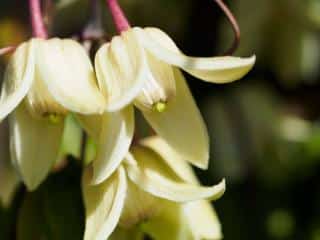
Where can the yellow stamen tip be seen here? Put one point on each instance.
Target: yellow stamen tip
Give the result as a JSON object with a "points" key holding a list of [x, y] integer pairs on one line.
{"points": [[54, 118], [160, 107]]}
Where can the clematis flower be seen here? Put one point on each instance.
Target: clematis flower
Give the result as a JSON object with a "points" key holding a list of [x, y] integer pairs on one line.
{"points": [[139, 191], [45, 80], [140, 68]]}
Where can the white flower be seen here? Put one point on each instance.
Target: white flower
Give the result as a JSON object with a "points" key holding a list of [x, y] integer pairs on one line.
{"points": [[140, 67], [44, 80], [139, 191]]}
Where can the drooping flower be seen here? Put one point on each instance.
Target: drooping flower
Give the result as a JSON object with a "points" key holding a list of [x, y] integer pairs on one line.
{"points": [[147, 184], [44, 80], [140, 67]]}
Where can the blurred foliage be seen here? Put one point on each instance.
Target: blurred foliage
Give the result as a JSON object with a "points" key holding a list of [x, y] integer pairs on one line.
{"points": [[264, 129]]}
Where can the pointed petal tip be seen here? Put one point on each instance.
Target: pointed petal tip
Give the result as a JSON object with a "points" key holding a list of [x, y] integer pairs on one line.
{"points": [[219, 190]]}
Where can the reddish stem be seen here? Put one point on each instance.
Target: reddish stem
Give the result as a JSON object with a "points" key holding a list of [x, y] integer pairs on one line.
{"points": [[37, 23], [234, 24], [118, 16], [6, 50]]}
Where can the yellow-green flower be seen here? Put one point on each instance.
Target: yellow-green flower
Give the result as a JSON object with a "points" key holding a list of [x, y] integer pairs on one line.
{"points": [[141, 189], [44, 80], [140, 67]]}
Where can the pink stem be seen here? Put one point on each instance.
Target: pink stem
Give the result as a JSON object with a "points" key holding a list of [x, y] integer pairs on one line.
{"points": [[38, 27], [118, 16], [6, 50]]}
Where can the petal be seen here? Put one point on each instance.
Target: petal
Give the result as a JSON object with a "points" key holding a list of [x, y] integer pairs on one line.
{"points": [[92, 124], [34, 145], [202, 220], [212, 69], [18, 78], [113, 142], [9, 180], [103, 204], [153, 176], [121, 70], [180, 167], [67, 71], [182, 126], [135, 213], [159, 86], [172, 220], [199, 216]]}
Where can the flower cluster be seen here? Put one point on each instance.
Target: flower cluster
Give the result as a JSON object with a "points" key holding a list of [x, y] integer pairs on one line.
{"points": [[147, 184]]}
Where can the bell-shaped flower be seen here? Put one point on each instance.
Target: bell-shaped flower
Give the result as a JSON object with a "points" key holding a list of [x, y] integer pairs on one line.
{"points": [[44, 80], [140, 190], [140, 67]]}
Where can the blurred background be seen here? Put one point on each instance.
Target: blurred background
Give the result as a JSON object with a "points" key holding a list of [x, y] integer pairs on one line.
{"points": [[265, 128]]}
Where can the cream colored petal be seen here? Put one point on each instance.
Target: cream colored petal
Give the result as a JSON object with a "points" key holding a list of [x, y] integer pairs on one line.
{"points": [[159, 86], [212, 69], [113, 142], [34, 145], [181, 125], [135, 213], [18, 78], [103, 204], [92, 124], [172, 159], [202, 220], [199, 216], [9, 180], [66, 69], [153, 176], [121, 70], [172, 220]]}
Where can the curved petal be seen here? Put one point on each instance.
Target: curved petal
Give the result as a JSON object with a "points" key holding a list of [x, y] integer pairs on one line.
{"points": [[202, 220], [181, 125], [172, 159], [18, 78], [121, 70], [67, 71], [34, 145], [199, 216], [103, 204], [114, 140], [212, 69], [153, 176]]}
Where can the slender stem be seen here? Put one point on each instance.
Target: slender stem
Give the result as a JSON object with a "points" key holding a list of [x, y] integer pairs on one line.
{"points": [[37, 23], [118, 16], [234, 24], [6, 50]]}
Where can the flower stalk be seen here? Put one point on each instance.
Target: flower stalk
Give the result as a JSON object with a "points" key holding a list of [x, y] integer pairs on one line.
{"points": [[37, 23], [234, 24], [6, 50], [118, 16]]}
